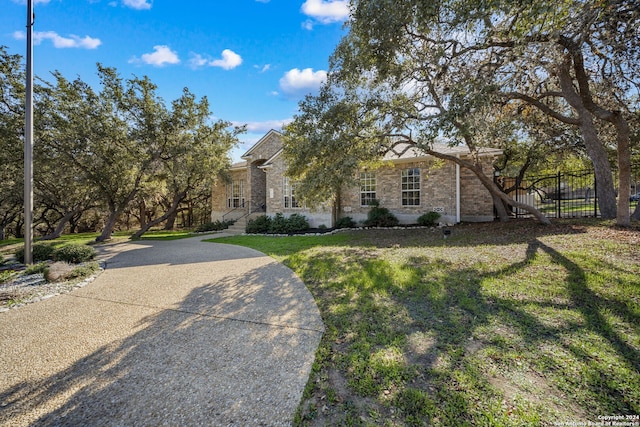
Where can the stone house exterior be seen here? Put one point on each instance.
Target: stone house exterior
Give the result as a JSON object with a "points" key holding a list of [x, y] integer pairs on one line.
{"points": [[408, 186]]}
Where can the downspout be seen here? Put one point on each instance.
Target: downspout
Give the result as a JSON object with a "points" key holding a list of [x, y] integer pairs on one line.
{"points": [[457, 192]]}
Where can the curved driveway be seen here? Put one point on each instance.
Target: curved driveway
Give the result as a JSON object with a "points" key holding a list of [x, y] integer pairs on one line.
{"points": [[171, 333]]}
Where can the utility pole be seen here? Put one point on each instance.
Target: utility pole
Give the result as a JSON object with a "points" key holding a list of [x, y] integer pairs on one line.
{"points": [[28, 142]]}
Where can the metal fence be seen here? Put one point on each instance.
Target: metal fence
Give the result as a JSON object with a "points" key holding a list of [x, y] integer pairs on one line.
{"points": [[562, 195]]}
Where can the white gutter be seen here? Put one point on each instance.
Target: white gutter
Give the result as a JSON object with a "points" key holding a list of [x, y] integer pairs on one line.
{"points": [[457, 192]]}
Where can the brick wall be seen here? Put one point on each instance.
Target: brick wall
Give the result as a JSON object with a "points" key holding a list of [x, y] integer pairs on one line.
{"points": [[219, 194]]}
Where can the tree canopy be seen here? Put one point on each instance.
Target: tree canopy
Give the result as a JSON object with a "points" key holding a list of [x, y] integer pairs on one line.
{"points": [[458, 70], [103, 149]]}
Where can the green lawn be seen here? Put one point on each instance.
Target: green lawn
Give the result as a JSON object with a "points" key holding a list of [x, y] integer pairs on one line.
{"points": [[498, 325], [10, 245]]}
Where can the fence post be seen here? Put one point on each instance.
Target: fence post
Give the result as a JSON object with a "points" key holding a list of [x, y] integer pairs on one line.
{"points": [[595, 196], [559, 193]]}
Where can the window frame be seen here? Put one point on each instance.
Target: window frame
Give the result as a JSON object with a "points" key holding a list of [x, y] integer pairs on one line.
{"points": [[235, 194], [411, 187], [289, 200], [368, 187]]}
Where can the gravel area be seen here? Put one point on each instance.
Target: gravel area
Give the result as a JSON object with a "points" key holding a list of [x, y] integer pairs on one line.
{"points": [[25, 289]]}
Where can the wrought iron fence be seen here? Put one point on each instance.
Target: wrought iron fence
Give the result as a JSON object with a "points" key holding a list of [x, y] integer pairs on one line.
{"points": [[562, 195]]}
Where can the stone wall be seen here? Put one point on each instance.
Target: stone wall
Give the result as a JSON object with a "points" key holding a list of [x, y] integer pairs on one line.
{"points": [[219, 194], [266, 148], [476, 203], [437, 191], [275, 198]]}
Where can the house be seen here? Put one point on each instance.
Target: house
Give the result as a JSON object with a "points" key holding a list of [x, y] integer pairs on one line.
{"points": [[408, 185]]}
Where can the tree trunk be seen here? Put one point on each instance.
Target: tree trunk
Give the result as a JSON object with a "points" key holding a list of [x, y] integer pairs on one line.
{"points": [[501, 209], [623, 136], [605, 191], [108, 226], [493, 189], [171, 221], [595, 148], [178, 198], [57, 232], [143, 213]]}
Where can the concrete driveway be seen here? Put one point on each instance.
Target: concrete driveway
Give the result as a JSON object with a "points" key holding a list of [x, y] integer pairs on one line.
{"points": [[171, 333]]}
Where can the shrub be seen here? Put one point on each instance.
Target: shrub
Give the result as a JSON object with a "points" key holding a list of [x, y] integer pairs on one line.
{"points": [[345, 222], [278, 224], [40, 251], [6, 275], [214, 226], [296, 222], [36, 268], [74, 253], [380, 217], [428, 219], [257, 225]]}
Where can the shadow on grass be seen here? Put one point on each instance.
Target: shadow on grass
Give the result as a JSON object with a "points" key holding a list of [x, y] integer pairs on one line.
{"points": [[429, 342]]}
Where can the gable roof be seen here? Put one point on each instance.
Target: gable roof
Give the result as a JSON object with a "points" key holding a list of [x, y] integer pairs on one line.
{"points": [[409, 152], [269, 161], [261, 141]]}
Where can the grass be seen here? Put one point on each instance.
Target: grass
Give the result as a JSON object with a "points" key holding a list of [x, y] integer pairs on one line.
{"points": [[9, 246], [500, 324]]}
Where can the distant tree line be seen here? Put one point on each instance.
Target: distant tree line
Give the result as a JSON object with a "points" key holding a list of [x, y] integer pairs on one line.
{"points": [[116, 156]]}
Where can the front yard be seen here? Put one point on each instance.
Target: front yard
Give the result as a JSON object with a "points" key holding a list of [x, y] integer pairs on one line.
{"points": [[499, 324]]}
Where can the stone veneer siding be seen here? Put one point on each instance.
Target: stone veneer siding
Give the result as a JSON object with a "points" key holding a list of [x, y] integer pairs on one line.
{"points": [[476, 203], [437, 189], [437, 193], [219, 194], [275, 185]]}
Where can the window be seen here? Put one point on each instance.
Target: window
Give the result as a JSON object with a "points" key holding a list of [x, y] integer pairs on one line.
{"points": [[235, 194], [411, 187], [367, 188], [289, 192]]}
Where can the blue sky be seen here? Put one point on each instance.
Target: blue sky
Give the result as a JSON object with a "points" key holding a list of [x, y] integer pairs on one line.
{"points": [[253, 59]]}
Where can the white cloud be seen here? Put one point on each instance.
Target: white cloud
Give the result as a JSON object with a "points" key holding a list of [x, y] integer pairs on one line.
{"points": [[326, 12], [297, 82], [263, 127], [263, 68], [72, 41], [197, 61], [229, 60], [137, 4], [161, 56]]}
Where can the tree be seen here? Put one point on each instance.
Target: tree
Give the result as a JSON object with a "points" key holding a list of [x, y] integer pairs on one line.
{"points": [[323, 147], [440, 68], [385, 97], [12, 96], [573, 61], [192, 152], [112, 137]]}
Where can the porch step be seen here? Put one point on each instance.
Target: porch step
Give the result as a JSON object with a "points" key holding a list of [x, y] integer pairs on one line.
{"points": [[240, 226]]}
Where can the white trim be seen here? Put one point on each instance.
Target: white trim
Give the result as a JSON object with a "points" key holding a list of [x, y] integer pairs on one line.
{"points": [[247, 155]]}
